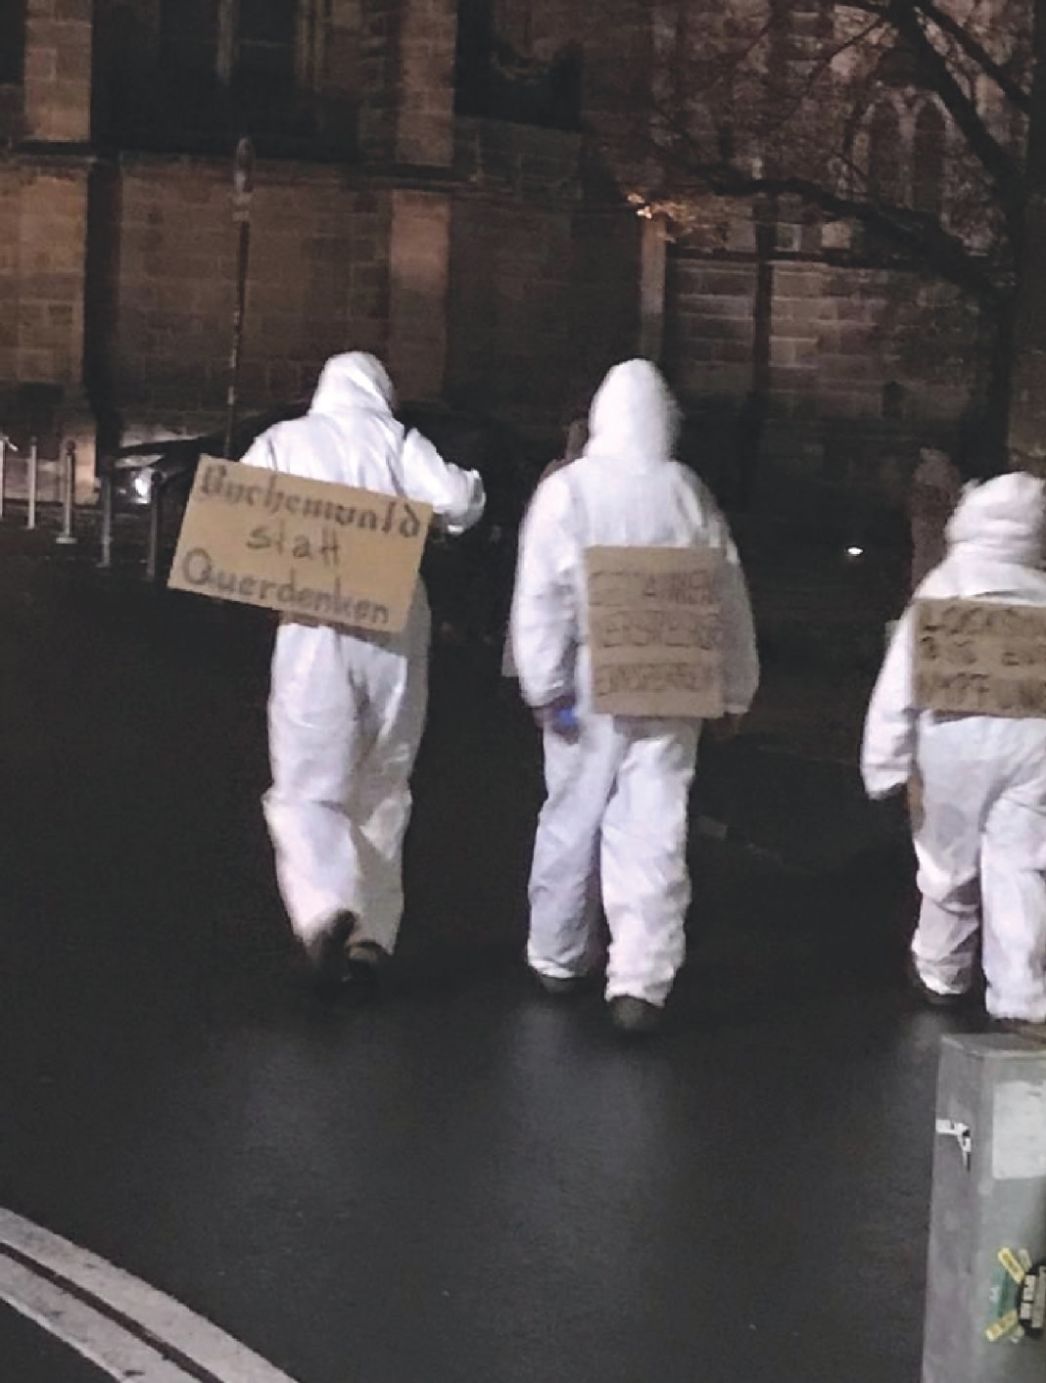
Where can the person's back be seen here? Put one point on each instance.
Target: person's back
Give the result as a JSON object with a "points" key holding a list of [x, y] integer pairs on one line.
{"points": [[981, 839], [625, 490], [350, 436], [347, 709], [615, 820]]}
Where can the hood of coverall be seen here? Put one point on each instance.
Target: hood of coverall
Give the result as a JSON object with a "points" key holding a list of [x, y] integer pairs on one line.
{"points": [[1003, 519], [634, 416], [353, 381]]}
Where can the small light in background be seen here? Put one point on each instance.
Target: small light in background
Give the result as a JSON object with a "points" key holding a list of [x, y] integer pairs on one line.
{"points": [[142, 484], [854, 551]]}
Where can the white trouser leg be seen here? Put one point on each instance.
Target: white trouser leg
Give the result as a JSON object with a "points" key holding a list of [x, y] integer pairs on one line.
{"points": [[345, 720], [380, 801], [944, 947], [564, 876], [948, 848], [646, 885], [314, 728], [1015, 911]]}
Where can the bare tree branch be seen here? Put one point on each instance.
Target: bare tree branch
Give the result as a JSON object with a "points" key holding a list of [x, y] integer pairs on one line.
{"points": [[1003, 170], [959, 33], [727, 65], [824, 64], [918, 235], [977, 53]]}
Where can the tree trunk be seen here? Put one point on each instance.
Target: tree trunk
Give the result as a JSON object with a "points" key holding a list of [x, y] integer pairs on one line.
{"points": [[992, 445], [751, 423], [1027, 439]]}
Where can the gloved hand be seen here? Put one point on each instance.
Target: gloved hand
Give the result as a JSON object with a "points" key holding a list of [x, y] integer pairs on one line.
{"points": [[725, 728], [559, 716]]}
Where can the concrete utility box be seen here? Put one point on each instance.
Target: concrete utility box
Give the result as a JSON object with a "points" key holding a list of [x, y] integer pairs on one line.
{"points": [[986, 1297]]}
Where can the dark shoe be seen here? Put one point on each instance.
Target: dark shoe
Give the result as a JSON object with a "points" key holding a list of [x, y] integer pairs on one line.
{"points": [[559, 988], [365, 961], [634, 1016], [327, 954], [1019, 1027], [931, 996], [367, 955]]}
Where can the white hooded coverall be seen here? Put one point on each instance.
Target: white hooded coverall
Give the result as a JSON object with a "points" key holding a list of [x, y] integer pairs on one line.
{"points": [[615, 818], [981, 843], [347, 709]]}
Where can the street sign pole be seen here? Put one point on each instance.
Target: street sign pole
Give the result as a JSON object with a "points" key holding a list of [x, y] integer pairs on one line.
{"points": [[242, 192]]}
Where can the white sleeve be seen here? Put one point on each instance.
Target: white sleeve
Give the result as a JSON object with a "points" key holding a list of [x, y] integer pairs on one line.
{"points": [[544, 622], [456, 495], [261, 452], [740, 653], [888, 749]]}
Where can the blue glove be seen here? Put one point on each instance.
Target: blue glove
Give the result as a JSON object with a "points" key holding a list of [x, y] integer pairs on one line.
{"points": [[564, 721]]}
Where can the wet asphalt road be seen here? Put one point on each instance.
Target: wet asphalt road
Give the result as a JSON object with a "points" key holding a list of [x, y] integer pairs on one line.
{"points": [[468, 1183]]}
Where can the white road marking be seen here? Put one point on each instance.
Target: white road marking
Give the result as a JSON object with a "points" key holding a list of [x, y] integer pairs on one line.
{"points": [[96, 1337], [197, 1349]]}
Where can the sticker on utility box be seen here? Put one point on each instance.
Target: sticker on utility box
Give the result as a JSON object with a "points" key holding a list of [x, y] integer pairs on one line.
{"points": [[1032, 1308], [1018, 1298], [1019, 1136]]}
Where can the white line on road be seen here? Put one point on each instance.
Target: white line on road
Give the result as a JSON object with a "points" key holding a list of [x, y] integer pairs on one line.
{"points": [[126, 1327], [96, 1337]]}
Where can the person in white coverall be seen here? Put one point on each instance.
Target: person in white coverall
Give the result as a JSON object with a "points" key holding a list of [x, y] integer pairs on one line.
{"points": [[981, 840], [615, 819], [347, 709]]}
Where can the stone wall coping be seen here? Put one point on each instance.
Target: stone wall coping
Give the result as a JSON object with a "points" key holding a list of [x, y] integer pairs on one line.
{"points": [[34, 153]]}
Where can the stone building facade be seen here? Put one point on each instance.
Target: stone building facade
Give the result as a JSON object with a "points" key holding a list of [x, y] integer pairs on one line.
{"points": [[431, 184], [394, 209]]}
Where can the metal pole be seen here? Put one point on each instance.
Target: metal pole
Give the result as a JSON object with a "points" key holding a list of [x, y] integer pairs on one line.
{"points": [[34, 459], [106, 560], [67, 538], [242, 192], [6, 445], [152, 555]]}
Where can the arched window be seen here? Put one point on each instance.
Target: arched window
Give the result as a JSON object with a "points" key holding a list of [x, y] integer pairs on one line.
{"points": [[497, 75], [512, 24], [250, 40], [189, 35], [12, 41], [265, 39], [885, 154], [928, 159]]}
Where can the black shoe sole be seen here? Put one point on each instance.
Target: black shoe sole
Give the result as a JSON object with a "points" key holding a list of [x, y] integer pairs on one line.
{"points": [[635, 1017], [1020, 1027], [922, 990], [327, 960], [558, 987]]}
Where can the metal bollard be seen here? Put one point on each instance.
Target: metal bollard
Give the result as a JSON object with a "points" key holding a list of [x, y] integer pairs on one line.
{"points": [[152, 555], [6, 445], [34, 458], [67, 537], [106, 559]]}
